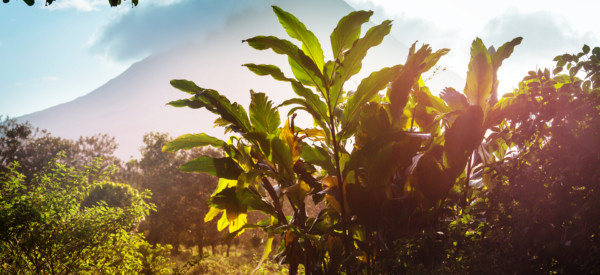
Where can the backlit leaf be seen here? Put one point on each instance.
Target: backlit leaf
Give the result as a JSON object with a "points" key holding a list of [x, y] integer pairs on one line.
{"points": [[347, 31], [189, 141], [480, 75], [297, 30], [262, 114]]}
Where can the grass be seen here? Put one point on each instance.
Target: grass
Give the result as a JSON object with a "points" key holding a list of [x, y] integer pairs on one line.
{"points": [[241, 260]]}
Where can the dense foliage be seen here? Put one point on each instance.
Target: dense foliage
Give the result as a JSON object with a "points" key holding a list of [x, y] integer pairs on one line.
{"points": [[65, 221], [33, 148], [180, 198], [407, 181]]}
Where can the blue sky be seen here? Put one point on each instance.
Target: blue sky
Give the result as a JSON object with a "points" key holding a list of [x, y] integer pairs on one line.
{"points": [[50, 55]]}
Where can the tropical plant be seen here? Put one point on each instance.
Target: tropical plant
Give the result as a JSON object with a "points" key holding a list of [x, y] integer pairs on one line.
{"points": [[382, 166]]}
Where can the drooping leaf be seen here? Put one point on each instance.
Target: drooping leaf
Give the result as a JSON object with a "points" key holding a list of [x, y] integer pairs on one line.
{"points": [[318, 156], [262, 114], [347, 31], [189, 141], [218, 167], [480, 75], [264, 69], [462, 138], [366, 91], [297, 30], [232, 115], [187, 86], [303, 67]]}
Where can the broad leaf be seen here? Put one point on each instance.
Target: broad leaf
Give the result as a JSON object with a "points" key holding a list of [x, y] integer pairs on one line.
{"points": [[462, 138], [303, 67], [352, 62], [297, 30], [347, 31], [219, 167], [480, 75], [264, 69], [366, 91], [262, 114], [497, 57], [190, 141], [232, 115]]}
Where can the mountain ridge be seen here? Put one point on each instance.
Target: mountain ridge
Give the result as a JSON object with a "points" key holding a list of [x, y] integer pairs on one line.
{"points": [[134, 102]]}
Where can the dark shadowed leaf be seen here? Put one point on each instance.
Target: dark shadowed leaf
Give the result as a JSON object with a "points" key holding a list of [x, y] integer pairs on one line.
{"points": [[219, 167]]}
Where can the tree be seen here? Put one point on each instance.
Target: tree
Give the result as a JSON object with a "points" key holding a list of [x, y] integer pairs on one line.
{"points": [[67, 221], [112, 3], [34, 148], [390, 168], [180, 198]]}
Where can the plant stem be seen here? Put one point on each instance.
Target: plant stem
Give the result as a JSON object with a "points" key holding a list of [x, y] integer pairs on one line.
{"points": [[467, 181], [267, 185]]}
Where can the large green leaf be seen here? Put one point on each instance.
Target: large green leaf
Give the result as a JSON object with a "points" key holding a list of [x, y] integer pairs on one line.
{"points": [[312, 100], [347, 31], [498, 56], [264, 69], [366, 91], [480, 75], [352, 61], [462, 138], [318, 156], [187, 86], [263, 116], [281, 154], [297, 30], [190, 141], [303, 67], [416, 63], [430, 178], [219, 167]]}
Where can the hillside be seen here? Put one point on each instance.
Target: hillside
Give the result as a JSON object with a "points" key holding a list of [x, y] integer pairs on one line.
{"points": [[133, 103]]}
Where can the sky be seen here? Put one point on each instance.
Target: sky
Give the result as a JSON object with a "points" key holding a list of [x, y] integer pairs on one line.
{"points": [[51, 55]]}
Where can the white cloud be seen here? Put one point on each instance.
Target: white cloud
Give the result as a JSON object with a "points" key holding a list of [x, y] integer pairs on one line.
{"points": [[155, 26]]}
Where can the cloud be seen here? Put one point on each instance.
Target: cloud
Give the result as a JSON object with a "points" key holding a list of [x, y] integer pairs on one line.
{"points": [[544, 34], [156, 26]]}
